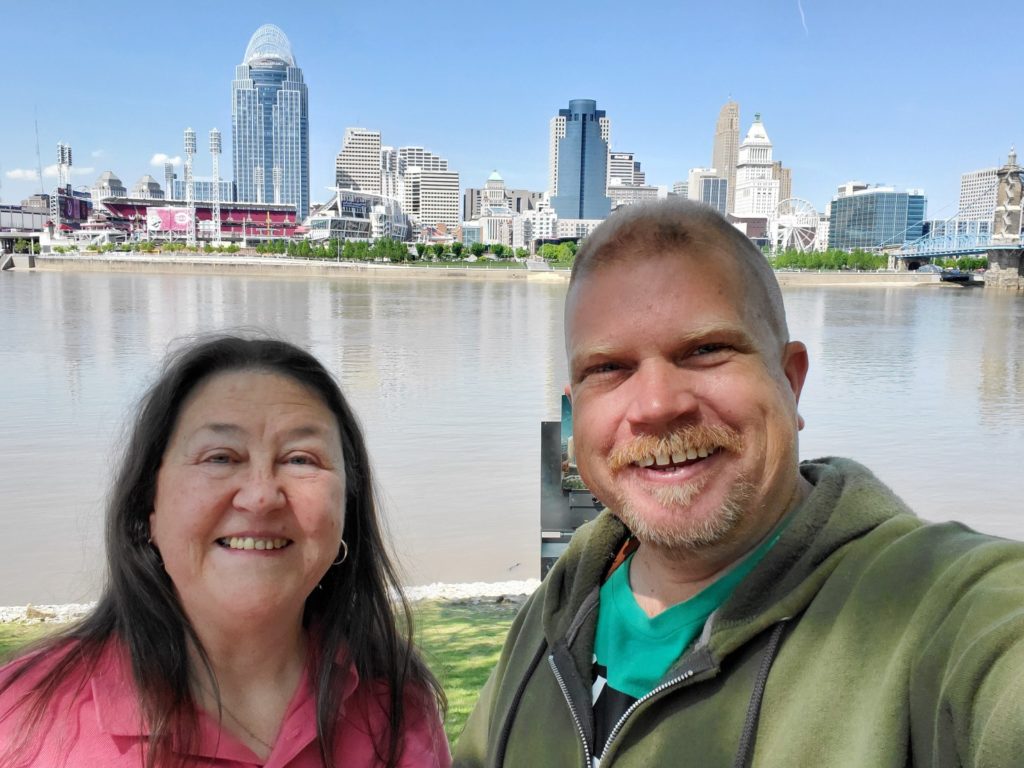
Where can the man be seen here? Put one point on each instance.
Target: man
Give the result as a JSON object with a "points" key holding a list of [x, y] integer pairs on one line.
{"points": [[733, 607]]}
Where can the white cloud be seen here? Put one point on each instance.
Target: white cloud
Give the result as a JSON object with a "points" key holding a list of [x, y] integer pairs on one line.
{"points": [[50, 171], [99, 152], [160, 158], [22, 174]]}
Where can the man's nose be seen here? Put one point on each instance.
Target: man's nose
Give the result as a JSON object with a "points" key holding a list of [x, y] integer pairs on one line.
{"points": [[260, 490], [661, 393]]}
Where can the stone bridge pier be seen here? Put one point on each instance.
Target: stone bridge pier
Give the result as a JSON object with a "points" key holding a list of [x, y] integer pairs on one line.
{"points": [[1005, 268]]}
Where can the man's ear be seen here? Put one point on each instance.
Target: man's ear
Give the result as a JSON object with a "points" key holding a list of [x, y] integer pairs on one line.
{"points": [[795, 363], [568, 392]]}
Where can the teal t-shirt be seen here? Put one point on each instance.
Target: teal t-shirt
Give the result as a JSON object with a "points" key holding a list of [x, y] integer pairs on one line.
{"points": [[632, 651]]}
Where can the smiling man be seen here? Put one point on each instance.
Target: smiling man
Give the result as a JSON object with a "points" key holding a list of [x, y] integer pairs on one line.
{"points": [[733, 606]]}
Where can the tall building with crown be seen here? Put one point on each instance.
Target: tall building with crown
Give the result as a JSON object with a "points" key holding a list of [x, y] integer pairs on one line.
{"points": [[757, 185], [270, 124], [578, 161], [725, 153]]}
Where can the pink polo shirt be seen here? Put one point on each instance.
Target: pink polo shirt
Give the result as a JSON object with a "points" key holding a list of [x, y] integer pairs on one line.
{"points": [[98, 724]]}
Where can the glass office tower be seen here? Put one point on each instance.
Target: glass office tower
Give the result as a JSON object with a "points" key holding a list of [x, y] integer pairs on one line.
{"points": [[582, 164], [270, 124], [876, 217]]}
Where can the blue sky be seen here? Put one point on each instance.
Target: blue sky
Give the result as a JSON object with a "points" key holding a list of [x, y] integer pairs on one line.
{"points": [[905, 93]]}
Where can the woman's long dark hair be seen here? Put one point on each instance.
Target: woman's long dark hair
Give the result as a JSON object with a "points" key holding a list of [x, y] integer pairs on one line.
{"points": [[139, 606]]}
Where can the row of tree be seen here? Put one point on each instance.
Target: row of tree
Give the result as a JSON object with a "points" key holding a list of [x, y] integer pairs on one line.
{"points": [[385, 249], [831, 259]]}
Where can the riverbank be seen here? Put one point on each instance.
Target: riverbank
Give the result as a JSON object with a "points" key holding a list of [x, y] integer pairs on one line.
{"points": [[477, 592], [277, 266]]}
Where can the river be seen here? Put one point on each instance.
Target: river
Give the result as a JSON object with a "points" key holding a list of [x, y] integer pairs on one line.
{"points": [[451, 379]]}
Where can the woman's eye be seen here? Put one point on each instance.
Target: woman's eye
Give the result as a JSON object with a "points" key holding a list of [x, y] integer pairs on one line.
{"points": [[301, 460], [218, 458]]}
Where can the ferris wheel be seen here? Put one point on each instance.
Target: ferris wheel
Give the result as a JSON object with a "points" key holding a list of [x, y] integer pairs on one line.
{"points": [[793, 226]]}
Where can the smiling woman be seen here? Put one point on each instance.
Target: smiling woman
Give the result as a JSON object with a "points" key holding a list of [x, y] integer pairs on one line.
{"points": [[248, 616]]}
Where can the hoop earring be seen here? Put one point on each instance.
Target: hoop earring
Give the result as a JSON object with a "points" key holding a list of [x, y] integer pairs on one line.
{"points": [[344, 554]]}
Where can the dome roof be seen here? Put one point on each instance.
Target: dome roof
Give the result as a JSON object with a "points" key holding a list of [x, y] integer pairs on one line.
{"points": [[269, 45], [495, 176]]}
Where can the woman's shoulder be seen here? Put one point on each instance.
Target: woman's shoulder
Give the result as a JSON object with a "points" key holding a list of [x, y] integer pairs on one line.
{"points": [[366, 716]]}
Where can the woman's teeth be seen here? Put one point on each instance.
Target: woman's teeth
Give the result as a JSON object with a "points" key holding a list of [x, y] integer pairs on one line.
{"points": [[248, 542]]}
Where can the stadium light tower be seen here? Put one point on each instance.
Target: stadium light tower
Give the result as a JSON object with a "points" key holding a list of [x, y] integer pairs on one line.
{"points": [[190, 186], [63, 183], [278, 180], [215, 152], [257, 175]]}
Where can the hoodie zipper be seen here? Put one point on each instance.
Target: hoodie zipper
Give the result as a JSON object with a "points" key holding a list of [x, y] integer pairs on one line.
{"points": [[588, 759], [632, 708]]}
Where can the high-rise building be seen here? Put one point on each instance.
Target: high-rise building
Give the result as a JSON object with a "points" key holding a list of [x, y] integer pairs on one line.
{"points": [[624, 168], [977, 195], [390, 178], [581, 157], [557, 133], [707, 186], [147, 188], [109, 185], [681, 188], [876, 217], [757, 191], [358, 165], [432, 197], [725, 153], [270, 124], [203, 190], [784, 176], [418, 157]]}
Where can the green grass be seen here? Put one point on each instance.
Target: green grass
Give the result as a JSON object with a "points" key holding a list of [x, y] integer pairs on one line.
{"points": [[460, 642]]}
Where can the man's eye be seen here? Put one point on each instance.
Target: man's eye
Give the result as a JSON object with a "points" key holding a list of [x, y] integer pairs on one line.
{"points": [[708, 349], [218, 458]]}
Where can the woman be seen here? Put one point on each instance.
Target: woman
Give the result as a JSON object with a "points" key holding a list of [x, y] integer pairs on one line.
{"points": [[249, 614]]}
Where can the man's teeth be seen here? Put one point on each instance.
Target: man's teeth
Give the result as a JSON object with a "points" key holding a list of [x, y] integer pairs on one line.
{"points": [[248, 542], [662, 459]]}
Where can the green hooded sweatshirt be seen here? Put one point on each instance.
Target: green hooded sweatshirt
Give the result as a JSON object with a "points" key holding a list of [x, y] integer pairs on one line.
{"points": [[865, 638]]}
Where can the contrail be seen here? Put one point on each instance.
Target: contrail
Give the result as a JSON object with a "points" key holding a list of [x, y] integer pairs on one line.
{"points": [[803, 19]]}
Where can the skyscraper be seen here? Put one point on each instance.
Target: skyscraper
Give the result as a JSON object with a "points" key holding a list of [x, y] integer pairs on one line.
{"points": [[725, 153], [270, 124], [579, 159], [757, 189], [358, 165]]}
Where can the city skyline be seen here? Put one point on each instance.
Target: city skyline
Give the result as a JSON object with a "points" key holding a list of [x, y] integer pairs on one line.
{"points": [[834, 85]]}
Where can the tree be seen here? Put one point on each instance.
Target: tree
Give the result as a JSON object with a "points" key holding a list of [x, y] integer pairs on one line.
{"points": [[522, 253], [548, 252], [392, 250], [421, 248], [477, 249], [439, 250], [498, 250], [457, 249]]}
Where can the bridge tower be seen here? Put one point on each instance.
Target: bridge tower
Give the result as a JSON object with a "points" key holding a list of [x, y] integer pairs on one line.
{"points": [[1006, 269]]}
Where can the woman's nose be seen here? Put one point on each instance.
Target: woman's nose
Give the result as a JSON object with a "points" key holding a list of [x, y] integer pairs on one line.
{"points": [[259, 491]]}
